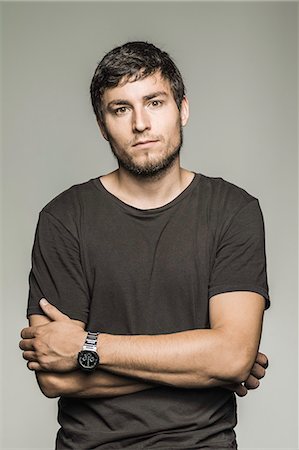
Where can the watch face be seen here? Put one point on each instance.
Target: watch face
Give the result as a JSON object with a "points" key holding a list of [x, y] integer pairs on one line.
{"points": [[88, 360]]}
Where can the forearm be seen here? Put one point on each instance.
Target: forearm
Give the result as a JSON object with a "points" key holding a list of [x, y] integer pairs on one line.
{"points": [[190, 359], [199, 358], [80, 384]]}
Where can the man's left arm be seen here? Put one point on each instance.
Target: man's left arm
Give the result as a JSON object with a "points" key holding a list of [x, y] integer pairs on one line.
{"points": [[195, 358], [198, 358]]}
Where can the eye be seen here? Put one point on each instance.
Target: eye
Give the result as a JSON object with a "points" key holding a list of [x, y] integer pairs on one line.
{"points": [[156, 103], [120, 111]]}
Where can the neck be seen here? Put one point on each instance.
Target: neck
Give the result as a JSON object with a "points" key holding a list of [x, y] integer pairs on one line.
{"points": [[147, 193]]}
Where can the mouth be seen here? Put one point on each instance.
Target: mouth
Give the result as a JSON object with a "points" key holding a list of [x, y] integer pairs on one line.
{"points": [[145, 143]]}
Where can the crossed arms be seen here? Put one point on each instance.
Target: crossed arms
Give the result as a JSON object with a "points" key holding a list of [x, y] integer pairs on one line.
{"points": [[225, 355]]}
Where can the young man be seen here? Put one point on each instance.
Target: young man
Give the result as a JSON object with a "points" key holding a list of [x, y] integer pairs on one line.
{"points": [[155, 278]]}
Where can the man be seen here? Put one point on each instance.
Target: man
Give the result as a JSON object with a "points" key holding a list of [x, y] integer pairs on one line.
{"points": [[155, 278]]}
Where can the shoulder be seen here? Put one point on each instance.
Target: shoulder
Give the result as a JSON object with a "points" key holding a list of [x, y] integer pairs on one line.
{"points": [[225, 202], [68, 207], [70, 199], [224, 194]]}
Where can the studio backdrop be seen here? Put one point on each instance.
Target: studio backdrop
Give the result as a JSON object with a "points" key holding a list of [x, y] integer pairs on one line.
{"points": [[239, 64]]}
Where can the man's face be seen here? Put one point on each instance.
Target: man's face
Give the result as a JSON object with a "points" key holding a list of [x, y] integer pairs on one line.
{"points": [[143, 125]]}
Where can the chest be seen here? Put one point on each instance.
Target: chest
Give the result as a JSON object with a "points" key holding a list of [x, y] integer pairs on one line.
{"points": [[149, 275]]}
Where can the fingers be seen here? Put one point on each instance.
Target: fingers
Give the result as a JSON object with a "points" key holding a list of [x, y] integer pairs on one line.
{"points": [[28, 333], [238, 388], [30, 356], [252, 382], [241, 390], [258, 371], [51, 311], [26, 344], [32, 365], [33, 361], [262, 360]]}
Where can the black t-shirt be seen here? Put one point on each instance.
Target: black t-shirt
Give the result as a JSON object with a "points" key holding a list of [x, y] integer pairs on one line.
{"points": [[123, 270]]}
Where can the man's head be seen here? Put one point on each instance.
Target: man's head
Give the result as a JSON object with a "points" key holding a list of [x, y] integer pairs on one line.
{"points": [[130, 62], [139, 100]]}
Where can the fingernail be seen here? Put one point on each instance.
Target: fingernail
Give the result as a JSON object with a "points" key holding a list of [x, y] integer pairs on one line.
{"points": [[43, 302]]}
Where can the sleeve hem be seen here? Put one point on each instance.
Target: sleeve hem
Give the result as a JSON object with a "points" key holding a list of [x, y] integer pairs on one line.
{"points": [[232, 288], [73, 316]]}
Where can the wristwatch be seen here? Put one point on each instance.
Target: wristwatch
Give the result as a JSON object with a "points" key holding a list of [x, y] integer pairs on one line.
{"points": [[88, 358]]}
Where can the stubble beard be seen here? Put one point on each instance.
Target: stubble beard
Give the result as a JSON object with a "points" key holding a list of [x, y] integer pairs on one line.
{"points": [[151, 170]]}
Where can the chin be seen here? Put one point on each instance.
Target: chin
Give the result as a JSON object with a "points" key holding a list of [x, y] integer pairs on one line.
{"points": [[153, 170]]}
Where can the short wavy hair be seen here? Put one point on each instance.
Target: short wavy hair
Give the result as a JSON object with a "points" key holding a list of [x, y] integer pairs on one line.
{"points": [[130, 62]]}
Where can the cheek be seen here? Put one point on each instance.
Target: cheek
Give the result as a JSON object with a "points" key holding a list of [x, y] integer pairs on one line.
{"points": [[174, 130], [174, 124], [117, 134]]}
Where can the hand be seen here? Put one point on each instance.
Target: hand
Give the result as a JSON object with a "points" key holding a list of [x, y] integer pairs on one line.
{"points": [[257, 372], [55, 345]]}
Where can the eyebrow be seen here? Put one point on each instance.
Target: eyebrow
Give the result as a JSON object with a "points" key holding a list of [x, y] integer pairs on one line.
{"points": [[155, 94], [120, 101]]}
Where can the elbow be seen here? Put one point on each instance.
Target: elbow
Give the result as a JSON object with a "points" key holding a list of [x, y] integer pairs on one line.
{"points": [[236, 359], [240, 369], [48, 384], [49, 392], [239, 376]]}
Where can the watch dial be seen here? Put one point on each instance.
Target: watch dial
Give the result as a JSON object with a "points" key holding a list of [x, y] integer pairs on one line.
{"points": [[88, 360]]}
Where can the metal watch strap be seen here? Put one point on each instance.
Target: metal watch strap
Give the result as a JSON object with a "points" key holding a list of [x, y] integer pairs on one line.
{"points": [[91, 341]]}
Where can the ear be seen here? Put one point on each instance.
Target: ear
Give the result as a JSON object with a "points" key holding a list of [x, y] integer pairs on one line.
{"points": [[103, 129], [184, 112]]}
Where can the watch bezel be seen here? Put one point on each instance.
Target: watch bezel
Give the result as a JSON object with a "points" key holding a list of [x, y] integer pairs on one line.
{"points": [[89, 368]]}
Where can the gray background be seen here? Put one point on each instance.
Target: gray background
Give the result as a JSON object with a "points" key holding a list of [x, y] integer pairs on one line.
{"points": [[239, 62]]}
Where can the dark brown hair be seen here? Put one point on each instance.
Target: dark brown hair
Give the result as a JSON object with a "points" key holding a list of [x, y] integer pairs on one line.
{"points": [[130, 62]]}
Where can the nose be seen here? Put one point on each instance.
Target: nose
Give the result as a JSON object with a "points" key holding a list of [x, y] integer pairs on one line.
{"points": [[141, 121]]}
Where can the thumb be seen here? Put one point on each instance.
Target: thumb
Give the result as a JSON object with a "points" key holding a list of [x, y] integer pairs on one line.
{"points": [[51, 311]]}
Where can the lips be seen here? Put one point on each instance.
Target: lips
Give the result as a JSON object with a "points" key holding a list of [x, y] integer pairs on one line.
{"points": [[144, 143]]}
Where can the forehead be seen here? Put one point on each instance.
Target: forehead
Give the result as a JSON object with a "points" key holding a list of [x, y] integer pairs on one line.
{"points": [[137, 90]]}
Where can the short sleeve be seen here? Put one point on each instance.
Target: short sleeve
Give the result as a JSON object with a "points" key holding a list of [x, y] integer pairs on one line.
{"points": [[240, 259], [56, 272]]}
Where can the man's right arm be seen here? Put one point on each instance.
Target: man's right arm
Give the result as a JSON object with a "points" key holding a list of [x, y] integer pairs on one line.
{"points": [[84, 385], [100, 383]]}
